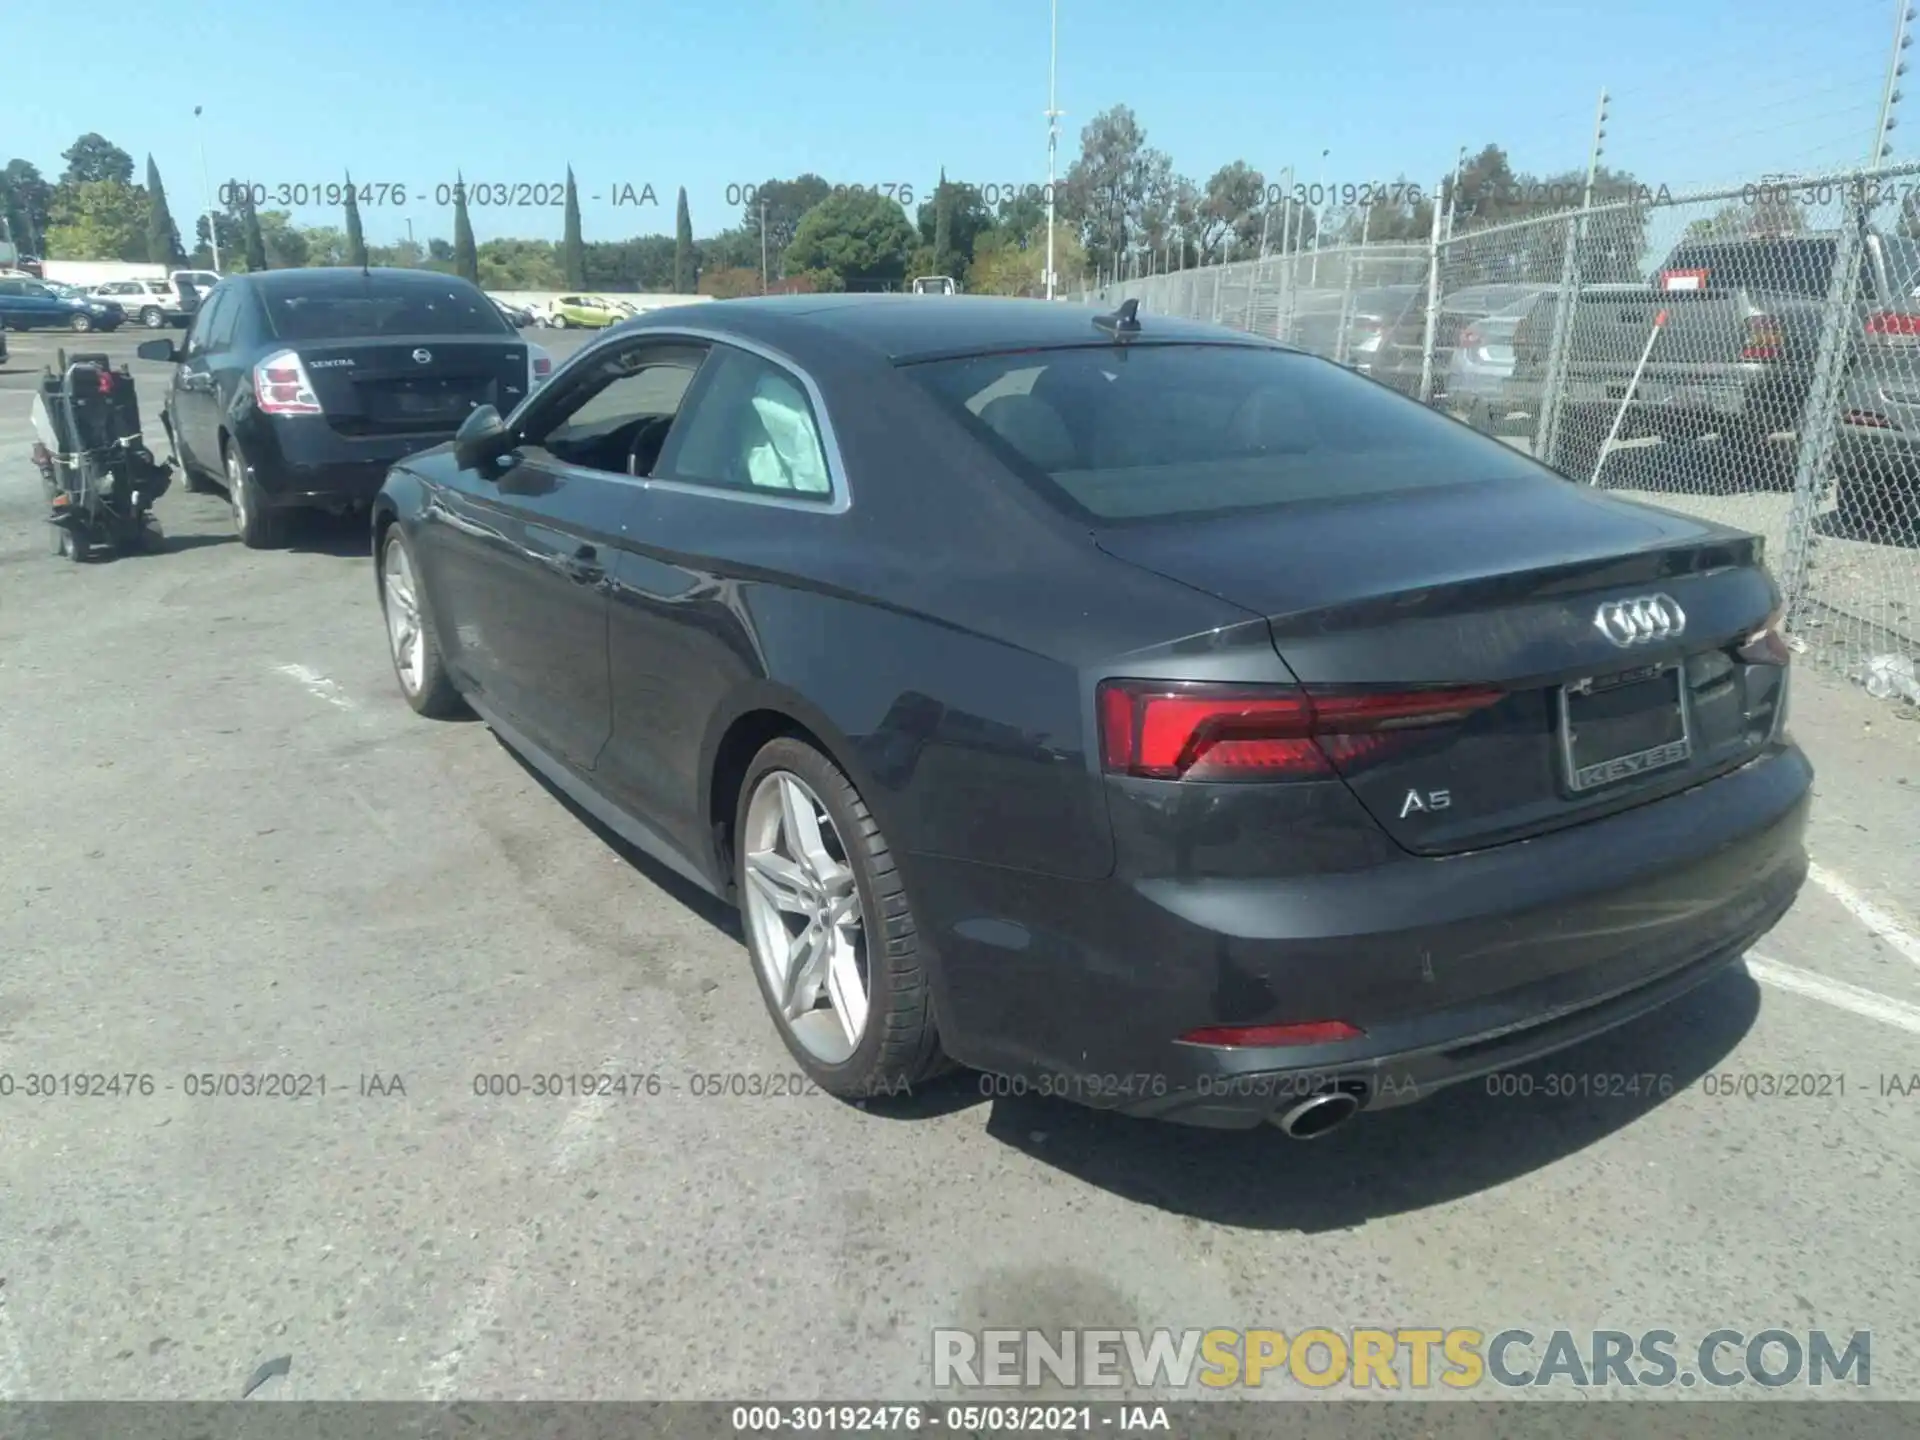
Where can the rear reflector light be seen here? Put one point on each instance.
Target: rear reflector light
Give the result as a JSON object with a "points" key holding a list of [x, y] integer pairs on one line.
{"points": [[281, 386], [1763, 338], [539, 366], [1260, 1037], [1892, 324], [1469, 338], [1162, 730]]}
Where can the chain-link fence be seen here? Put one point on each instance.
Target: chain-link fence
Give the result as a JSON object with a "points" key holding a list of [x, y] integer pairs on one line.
{"points": [[1749, 355]]}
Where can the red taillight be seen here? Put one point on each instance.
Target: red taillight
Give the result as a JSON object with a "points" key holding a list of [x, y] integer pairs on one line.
{"points": [[1159, 730], [1763, 338], [543, 366], [1469, 338], [1887, 323], [281, 387], [1256, 1037]]}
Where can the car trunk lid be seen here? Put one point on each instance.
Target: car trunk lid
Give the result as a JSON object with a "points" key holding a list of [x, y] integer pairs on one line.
{"points": [[413, 385], [1502, 584]]}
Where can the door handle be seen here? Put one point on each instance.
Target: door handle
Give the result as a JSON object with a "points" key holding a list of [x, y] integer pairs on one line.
{"points": [[584, 568]]}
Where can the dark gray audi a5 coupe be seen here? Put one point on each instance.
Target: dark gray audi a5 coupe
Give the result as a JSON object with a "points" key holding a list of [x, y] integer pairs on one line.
{"points": [[1128, 705]]}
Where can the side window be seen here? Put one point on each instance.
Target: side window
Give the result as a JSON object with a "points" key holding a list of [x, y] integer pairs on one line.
{"points": [[615, 413], [751, 428], [207, 323]]}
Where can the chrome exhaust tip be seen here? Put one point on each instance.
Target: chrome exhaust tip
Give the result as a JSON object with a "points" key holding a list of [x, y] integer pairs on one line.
{"points": [[1317, 1114]]}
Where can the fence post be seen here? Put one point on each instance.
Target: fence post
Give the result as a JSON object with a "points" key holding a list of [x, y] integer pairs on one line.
{"points": [[1433, 306], [1546, 430], [1346, 307], [1819, 421], [1253, 290], [1217, 279]]}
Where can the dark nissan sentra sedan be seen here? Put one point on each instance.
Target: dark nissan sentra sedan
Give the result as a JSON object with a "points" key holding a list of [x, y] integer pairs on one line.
{"points": [[1131, 704]]}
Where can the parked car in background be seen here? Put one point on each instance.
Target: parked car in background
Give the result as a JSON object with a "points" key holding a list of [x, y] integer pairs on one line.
{"points": [[1401, 355], [298, 388], [935, 285], [1290, 744], [584, 312], [1479, 384], [34, 305], [155, 304], [1348, 327], [1733, 364], [518, 316]]}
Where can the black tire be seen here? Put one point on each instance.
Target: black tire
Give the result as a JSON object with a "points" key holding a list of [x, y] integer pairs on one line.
{"points": [[80, 324], [153, 318], [436, 697], [900, 1046], [258, 526]]}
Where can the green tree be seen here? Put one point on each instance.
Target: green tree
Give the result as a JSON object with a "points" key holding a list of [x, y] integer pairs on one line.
{"points": [[683, 269], [27, 200], [163, 236], [968, 218], [860, 237], [943, 261], [401, 255], [573, 251], [1228, 211], [356, 249], [730, 282], [521, 265], [98, 220], [256, 242], [644, 260], [1115, 185], [784, 204], [735, 249], [286, 243], [93, 158], [330, 245], [229, 233], [466, 260], [1010, 264]]}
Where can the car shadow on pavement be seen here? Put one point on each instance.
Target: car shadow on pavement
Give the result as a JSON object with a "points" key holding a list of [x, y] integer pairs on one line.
{"points": [[314, 532], [1466, 1139], [720, 916]]}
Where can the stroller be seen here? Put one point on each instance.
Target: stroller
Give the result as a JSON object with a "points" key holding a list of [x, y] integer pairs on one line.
{"points": [[99, 476]]}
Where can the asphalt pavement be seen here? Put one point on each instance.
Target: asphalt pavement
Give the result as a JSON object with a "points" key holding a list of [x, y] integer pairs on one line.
{"points": [[229, 847]]}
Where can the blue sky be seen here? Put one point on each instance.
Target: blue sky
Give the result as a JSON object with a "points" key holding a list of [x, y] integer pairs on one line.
{"points": [[861, 91]]}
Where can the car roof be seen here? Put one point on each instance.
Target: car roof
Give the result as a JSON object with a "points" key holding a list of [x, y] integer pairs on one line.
{"points": [[343, 278], [905, 328]]}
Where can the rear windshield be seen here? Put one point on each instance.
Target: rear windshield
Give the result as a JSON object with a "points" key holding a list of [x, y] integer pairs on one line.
{"points": [[1780, 267], [344, 314], [1154, 432]]}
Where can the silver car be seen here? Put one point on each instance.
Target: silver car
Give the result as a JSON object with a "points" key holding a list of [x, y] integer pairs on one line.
{"points": [[1479, 382]]}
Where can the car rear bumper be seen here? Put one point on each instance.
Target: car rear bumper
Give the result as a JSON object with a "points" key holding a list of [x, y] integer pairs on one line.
{"points": [[1453, 967], [303, 461]]}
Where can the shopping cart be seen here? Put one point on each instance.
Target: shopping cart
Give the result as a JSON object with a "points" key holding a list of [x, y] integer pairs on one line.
{"points": [[99, 476]]}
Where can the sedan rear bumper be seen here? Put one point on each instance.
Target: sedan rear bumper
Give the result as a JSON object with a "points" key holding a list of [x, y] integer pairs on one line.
{"points": [[303, 461], [1451, 967]]}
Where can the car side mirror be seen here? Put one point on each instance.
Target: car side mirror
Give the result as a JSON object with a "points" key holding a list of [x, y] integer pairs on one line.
{"points": [[482, 436], [164, 351]]}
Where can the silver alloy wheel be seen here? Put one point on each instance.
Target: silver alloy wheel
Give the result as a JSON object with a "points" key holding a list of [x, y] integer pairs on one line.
{"points": [[402, 605], [237, 489], [804, 918]]}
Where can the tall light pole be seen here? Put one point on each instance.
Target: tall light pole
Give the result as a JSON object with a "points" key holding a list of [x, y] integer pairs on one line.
{"points": [[206, 193], [763, 247], [1053, 133], [1319, 217]]}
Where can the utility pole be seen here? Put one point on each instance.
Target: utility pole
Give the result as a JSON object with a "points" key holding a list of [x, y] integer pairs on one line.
{"points": [[763, 247], [1319, 218], [206, 194], [1053, 134]]}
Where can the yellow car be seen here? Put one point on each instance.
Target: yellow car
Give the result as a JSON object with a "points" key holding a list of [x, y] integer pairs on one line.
{"points": [[584, 312]]}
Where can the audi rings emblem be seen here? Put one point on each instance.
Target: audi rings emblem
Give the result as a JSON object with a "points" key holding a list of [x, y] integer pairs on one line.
{"points": [[423, 356], [1641, 620]]}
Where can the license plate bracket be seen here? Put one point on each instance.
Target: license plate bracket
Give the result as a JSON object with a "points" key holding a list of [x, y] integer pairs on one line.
{"points": [[1615, 728]]}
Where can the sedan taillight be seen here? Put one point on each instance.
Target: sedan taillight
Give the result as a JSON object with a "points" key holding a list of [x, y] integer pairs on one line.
{"points": [[1161, 730], [281, 386]]}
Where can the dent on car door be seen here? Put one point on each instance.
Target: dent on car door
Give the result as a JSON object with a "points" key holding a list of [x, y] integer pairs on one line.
{"points": [[743, 471]]}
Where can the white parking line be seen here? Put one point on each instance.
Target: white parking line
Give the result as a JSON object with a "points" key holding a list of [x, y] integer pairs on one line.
{"points": [[1869, 1004], [1884, 925], [483, 1305], [317, 684]]}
